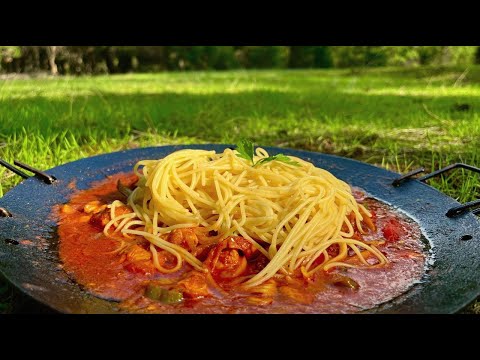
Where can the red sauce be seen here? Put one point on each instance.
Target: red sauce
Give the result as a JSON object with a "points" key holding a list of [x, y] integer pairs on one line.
{"points": [[90, 258]]}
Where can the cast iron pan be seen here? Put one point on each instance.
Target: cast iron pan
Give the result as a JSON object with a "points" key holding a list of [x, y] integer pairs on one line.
{"points": [[451, 283]]}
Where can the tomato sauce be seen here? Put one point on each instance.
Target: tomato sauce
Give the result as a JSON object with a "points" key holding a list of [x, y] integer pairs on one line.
{"points": [[93, 261]]}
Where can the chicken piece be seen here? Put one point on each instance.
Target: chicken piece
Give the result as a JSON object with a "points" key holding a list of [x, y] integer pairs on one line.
{"points": [[242, 244], [194, 285], [166, 259], [102, 218], [229, 258], [137, 253], [94, 207], [257, 264], [201, 252], [122, 210], [99, 220], [67, 209], [138, 261], [185, 238]]}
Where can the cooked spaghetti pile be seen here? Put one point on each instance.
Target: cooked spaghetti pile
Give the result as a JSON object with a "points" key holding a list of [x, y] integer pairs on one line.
{"points": [[292, 211]]}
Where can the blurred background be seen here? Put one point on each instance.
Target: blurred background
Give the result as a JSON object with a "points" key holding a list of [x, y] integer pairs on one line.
{"points": [[78, 60]]}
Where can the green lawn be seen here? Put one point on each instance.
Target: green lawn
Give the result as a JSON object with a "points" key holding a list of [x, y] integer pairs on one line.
{"points": [[396, 118]]}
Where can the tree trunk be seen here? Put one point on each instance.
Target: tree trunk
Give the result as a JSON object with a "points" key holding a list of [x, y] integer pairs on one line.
{"points": [[109, 56], [36, 57], [52, 54]]}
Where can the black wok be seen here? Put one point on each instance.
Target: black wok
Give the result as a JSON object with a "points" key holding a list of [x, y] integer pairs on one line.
{"points": [[451, 283]]}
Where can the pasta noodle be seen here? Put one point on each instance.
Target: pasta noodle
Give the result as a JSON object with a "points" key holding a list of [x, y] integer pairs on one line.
{"points": [[292, 214]]}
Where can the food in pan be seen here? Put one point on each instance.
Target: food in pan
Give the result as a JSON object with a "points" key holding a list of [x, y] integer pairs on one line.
{"points": [[238, 231]]}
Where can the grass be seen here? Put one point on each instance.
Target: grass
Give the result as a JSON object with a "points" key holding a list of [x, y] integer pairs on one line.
{"points": [[396, 118]]}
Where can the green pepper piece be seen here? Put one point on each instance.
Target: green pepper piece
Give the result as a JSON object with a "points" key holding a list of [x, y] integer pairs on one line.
{"points": [[171, 297], [125, 191], [163, 295], [345, 281]]}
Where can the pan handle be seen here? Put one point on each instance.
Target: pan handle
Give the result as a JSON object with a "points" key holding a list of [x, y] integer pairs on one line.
{"points": [[48, 179], [4, 212], [454, 211]]}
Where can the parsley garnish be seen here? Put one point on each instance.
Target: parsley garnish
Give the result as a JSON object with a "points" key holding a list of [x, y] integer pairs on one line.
{"points": [[245, 150]]}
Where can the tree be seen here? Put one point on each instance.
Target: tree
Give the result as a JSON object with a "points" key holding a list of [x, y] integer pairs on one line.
{"points": [[322, 57], [8, 54], [52, 54], [264, 57], [301, 57], [310, 57]]}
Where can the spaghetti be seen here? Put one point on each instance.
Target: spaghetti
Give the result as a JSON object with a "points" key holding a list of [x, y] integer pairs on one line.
{"points": [[291, 214]]}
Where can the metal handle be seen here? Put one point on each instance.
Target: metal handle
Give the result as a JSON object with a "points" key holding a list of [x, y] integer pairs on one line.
{"points": [[13, 169], [45, 177], [48, 179], [4, 212], [457, 210], [40, 174]]}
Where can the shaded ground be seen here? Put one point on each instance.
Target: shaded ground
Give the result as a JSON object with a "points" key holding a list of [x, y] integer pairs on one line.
{"points": [[395, 118]]}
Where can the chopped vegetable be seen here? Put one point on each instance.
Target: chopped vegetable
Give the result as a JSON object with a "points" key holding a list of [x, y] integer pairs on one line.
{"points": [[194, 285], [163, 295], [246, 148], [141, 182], [345, 281], [67, 209], [229, 258], [137, 253], [393, 230], [94, 207], [125, 191], [99, 220]]}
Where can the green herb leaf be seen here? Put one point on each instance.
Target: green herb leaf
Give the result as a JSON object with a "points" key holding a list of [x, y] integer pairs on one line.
{"points": [[245, 149], [278, 157]]}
